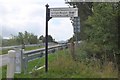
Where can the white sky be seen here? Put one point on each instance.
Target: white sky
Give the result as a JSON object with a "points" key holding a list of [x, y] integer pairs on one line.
{"points": [[29, 15]]}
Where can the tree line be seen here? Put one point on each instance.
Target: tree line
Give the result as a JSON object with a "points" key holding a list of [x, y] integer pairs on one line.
{"points": [[25, 38], [99, 30]]}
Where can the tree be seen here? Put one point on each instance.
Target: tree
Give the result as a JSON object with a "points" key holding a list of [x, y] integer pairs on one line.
{"points": [[33, 39], [20, 38], [72, 39], [50, 39], [26, 38], [41, 38], [102, 31], [85, 10]]}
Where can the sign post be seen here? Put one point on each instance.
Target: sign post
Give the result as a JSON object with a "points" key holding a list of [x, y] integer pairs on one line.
{"points": [[56, 12], [46, 41], [46, 37]]}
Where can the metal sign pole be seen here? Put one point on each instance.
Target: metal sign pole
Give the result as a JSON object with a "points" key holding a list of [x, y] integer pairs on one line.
{"points": [[46, 41], [46, 37], [56, 12]]}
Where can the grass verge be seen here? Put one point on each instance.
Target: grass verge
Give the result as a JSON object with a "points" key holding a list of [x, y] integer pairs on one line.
{"points": [[61, 65]]}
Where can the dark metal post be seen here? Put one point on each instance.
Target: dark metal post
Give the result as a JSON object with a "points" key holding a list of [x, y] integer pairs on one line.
{"points": [[46, 40]]}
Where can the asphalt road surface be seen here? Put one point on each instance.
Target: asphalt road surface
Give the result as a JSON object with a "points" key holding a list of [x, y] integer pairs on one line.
{"points": [[3, 59]]}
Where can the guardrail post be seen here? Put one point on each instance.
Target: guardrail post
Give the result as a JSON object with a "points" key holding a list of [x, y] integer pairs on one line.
{"points": [[25, 64], [53, 51], [11, 64], [22, 59]]}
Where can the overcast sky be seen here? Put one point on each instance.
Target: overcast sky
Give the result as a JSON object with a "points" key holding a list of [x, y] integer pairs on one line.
{"points": [[29, 15]]}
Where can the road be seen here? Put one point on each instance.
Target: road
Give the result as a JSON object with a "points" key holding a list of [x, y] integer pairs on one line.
{"points": [[9, 47], [3, 59]]}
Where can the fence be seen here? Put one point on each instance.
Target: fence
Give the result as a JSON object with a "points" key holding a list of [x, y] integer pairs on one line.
{"points": [[9, 60], [17, 60], [34, 54]]}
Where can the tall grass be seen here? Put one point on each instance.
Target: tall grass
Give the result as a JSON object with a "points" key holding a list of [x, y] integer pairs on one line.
{"points": [[63, 66]]}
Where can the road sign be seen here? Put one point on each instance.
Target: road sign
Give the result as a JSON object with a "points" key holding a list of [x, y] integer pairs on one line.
{"points": [[63, 12], [76, 24], [76, 30], [56, 12]]}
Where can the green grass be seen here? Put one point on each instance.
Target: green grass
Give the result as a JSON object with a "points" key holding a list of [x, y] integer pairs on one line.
{"points": [[31, 65], [4, 68], [33, 47], [26, 49], [5, 51], [38, 62], [0, 73], [0, 52], [61, 65]]}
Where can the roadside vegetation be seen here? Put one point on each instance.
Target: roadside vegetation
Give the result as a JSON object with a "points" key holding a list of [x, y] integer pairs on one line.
{"points": [[25, 38], [62, 65], [99, 32], [98, 56]]}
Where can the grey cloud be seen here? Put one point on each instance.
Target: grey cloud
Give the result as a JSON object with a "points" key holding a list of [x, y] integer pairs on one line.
{"points": [[30, 27], [32, 19], [6, 31]]}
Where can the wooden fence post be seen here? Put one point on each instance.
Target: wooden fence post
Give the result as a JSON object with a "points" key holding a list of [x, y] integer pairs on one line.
{"points": [[11, 64], [18, 61], [72, 50]]}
